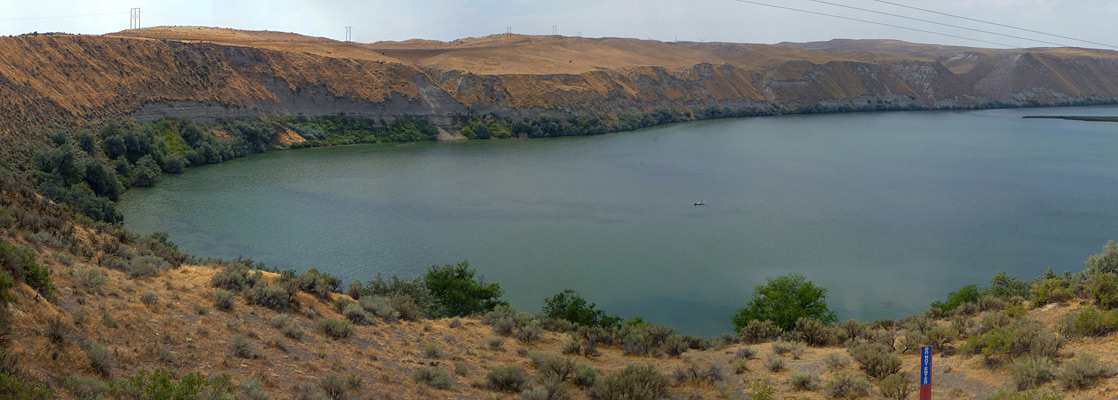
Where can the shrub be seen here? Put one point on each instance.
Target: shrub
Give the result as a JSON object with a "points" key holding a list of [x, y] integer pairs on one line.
{"points": [[1089, 321], [89, 278], [559, 367], [529, 332], [292, 331], [101, 360], [1104, 262], [836, 362], [896, 386], [457, 293], [1005, 287], [1104, 290], [784, 300], [585, 376], [1084, 371], [675, 345], [816, 333], [803, 381], [876, 359], [495, 343], [146, 266], [381, 307], [279, 296], [848, 386], [334, 328], [1026, 395], [241, 347], [334, 386], [340, 304], [317, 283], [696, 375], [759, 390], [759, 331], [55, 331], [406, 307], [774, 363], [435, 377], [746, 353], [1023, 337], [1051, 290], [223, 299], [568, 305], [632, 383], [740, 365], [1033, 372], [357, 315], [85, 388], [940, 336], [507, 378], [233, 277], [149, 298], [433, 350], [968, 293], [850, 329]]}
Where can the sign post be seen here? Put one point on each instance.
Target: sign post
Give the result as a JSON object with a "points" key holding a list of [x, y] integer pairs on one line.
{"points": [[926, 373]]}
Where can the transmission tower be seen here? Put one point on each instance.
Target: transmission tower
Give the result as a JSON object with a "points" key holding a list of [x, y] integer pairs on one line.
{"points": [[134, 18], [508, 31], [555, 30], [349, 34]]}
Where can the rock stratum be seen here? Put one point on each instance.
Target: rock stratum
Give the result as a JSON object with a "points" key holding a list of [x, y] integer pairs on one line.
{"points": [[53, 80]]}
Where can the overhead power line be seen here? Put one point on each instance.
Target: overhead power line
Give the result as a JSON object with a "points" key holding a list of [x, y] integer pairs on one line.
{"points": [[995, 23], [62, 16], [877, 23], [936, 23]]}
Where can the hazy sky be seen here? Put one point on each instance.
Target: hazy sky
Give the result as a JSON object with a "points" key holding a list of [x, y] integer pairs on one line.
{"points": [[693, 20]]}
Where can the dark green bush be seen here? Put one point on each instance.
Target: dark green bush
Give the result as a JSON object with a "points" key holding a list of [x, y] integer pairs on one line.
{"points": [[457, 293], [784, 300], [1089, 321], [642, 382], [1104, 290], [569, 306], [20, 263], [1051, 290], [968, 293], [1024, 337], [508, 378]]}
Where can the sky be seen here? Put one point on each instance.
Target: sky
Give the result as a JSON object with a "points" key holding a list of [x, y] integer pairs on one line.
{"points": [[665, 20]]}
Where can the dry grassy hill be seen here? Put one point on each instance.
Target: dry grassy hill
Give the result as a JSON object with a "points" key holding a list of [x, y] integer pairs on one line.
{"points": [[50, 81]]}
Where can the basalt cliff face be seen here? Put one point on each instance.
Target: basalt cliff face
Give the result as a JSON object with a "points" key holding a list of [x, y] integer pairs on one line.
{"points": [[207, 73]]}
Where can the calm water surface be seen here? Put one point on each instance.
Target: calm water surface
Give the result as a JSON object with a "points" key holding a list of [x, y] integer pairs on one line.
{"points": [[889, 211]]}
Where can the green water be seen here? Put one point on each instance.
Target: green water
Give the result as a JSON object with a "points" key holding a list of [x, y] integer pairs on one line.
{"points": [[889, 211]]}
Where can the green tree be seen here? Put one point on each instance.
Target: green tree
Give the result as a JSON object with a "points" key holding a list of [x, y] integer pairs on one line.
{"points": [[969, 293], [568, 305], [457, 293], [1107, 261], [783, 300], [1004, 286]]}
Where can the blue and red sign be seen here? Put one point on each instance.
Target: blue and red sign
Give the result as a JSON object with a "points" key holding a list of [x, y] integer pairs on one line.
{"points": [[926, 373]]}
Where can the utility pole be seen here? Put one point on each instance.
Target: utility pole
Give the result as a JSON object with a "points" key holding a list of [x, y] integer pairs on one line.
{"points": [[508, 31], [348, 34], [555, 30], [134, 18]]}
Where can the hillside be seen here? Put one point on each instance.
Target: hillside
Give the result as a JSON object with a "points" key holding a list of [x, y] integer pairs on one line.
{"points": [[57, 80]]}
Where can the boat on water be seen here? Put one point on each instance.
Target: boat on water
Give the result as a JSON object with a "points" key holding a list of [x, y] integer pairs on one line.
{"points": [[700, 203]]}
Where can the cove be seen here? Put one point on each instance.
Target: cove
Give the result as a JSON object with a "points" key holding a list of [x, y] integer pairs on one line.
{"points": [[889, 211]]}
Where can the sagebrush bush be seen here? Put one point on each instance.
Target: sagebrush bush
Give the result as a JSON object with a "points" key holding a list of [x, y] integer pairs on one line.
{"points": [[55, 331], [223, 299], [433, 350], [759, 331], [642, 382], [585, 376], [940, 337], [1033, 372], [1103, 289], [836, 362], [990, 303], [334, 386], [696, 375], [851, 329], [101, 360], [89, 278], [241, 347], [357, 315], [1084, 371], [1089, 321], [506, 378], [774, 363], [435, 377], [406, 307], [747, 353], [848, 386], [495, 343], [896, 386], [1051, 290], [334, 328], [877, 360], [86, 387], [1024, 337], [815, 332], [675, 345], [803, 381], [146, 266]]}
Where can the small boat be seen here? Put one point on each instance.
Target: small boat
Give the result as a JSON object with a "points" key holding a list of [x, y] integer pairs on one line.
{"points": [[700, 203]]}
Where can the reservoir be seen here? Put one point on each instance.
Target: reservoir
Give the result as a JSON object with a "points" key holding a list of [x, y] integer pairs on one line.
{"points": [[888, 211]]}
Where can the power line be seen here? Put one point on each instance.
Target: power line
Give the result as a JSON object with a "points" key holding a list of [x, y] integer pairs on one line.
{"points": [[60, 17], [995, 23], [936, 23], [877, 23]]}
